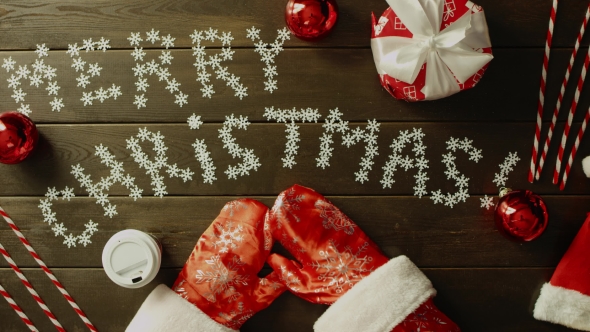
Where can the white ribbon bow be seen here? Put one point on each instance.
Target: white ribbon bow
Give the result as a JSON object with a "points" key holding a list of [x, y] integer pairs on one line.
{"points": [[448, 53]]}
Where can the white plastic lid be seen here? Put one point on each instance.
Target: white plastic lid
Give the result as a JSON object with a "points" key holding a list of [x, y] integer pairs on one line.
{"points": [[131, 258]]}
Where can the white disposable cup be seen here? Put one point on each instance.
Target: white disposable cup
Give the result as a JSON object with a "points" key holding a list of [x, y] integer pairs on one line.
{"points": [[132, 258]]}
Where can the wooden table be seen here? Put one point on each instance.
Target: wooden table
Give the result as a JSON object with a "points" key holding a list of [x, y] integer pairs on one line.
{"points": [[484, 281]]}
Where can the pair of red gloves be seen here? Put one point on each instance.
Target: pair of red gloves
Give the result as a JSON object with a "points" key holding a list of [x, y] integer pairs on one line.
{"points": [[337, 264]]}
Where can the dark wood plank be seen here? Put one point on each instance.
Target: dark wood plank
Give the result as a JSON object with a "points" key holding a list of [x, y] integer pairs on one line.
{"points": [[306, 78], [520, 23], [63, 146], [476, 299], [432, 235]]}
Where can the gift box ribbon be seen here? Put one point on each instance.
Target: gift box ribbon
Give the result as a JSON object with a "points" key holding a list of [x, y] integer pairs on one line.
{"points": [[449, 54]]}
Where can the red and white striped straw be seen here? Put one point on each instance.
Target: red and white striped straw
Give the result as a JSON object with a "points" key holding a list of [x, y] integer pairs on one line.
{"points": [[31, 290], [17, 309], [557, 108], [47, 271], [570, 118], [542, 92], [570, 160]]}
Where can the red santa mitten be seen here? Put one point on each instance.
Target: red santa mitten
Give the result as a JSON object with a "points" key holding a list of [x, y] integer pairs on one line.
{"points": [[565, 299], [339, 265], [218, 289]]}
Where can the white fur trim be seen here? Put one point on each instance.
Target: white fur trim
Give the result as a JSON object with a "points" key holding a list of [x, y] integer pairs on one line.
{"points": [[563, 306], [380, 301], [164, 310], [586, 166]]}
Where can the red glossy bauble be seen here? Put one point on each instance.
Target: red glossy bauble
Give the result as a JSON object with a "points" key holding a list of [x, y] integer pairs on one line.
{"points": [[311, 19], [521, 215], [18, 137]]}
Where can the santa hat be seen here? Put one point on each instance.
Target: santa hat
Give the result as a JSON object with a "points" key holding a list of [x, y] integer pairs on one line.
{"points": [[382, 300], [565, 299]]}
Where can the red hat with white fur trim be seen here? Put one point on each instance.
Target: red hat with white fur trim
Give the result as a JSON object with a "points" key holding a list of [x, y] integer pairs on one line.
{"points": [[565, 299]]}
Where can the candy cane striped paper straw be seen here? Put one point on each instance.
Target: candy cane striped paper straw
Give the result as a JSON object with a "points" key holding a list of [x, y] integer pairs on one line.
{"points": [[47, 271], [542, 92], [17, 309], [570, 160], [560, 98], [570, 118], [31, 290]]}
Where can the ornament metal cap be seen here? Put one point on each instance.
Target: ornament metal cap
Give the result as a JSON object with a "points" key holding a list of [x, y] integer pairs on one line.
{"points": [[504, 191]]}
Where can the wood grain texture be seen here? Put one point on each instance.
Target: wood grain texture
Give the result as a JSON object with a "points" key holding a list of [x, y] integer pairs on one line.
{"points": [[63, 146], [511, 23], [432, 236], [476, 299], [316, 78]]}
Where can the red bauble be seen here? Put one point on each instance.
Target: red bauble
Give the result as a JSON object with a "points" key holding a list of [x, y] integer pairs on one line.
{"points": [[18, 137], [521, 215], [311, 19]]}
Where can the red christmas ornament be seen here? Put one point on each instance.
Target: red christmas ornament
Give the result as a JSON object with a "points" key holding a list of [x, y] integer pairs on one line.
{"points": [[18, 137], [311, 19], [521, 215]]}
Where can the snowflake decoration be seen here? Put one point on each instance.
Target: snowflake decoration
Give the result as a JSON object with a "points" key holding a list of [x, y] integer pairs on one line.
{"points": [[289, 117], [419, 161], [42, 50], [93, 70], [8, 64], [452, 173], [268, 52], [486, 202], [214, 62], [58, 228], [160, 161], [99, 190], [154, 67], [24, 109], [505, 168], [334, 123], [37, 77], [204, 158], [342, 269], [287, 201], [194, 121], [249, 160]]}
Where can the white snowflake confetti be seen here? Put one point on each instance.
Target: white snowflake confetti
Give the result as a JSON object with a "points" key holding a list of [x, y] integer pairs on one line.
{"points": [[505, 168], [42, 50], [486, 202], [289, 117], [59, 229], [56, 104], [268, 52], [135, 39], [214, 61], [160, 161], [452, 173], [419, 161], [140, 101], [52, 88], [24, 109], [19, 95], [194, 121], [249, 160], [8, 64], [350, 137]]}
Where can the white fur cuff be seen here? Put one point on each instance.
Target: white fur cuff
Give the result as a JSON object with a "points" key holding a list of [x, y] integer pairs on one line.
{"points": [[164, 310], [380, 301], [563, 306]]}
